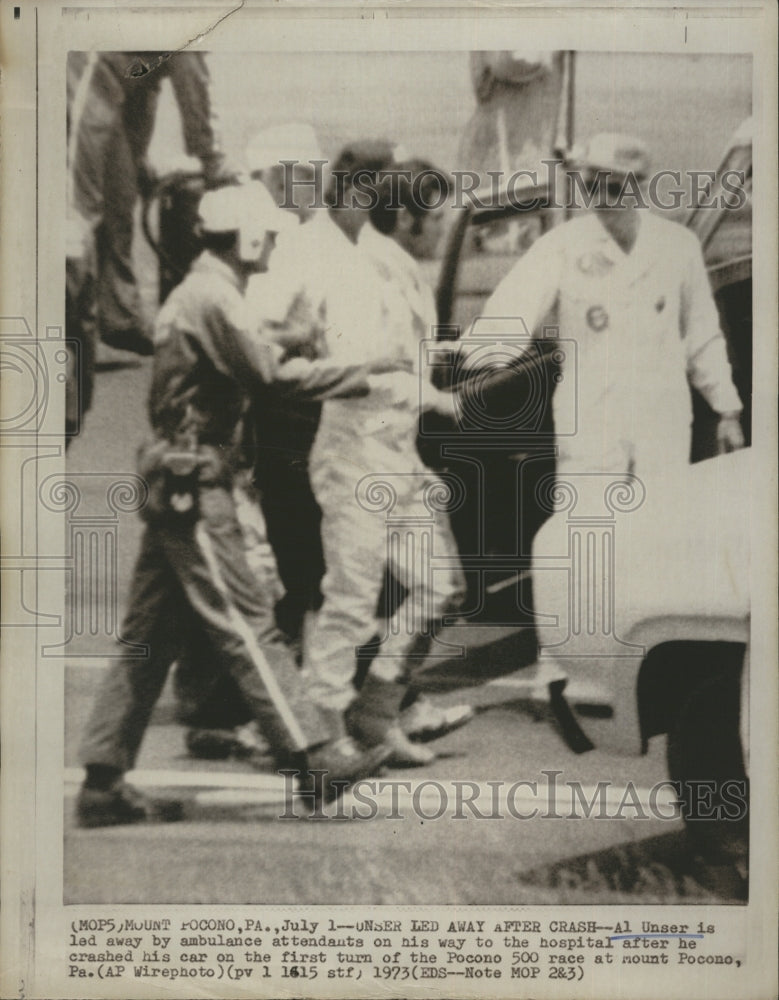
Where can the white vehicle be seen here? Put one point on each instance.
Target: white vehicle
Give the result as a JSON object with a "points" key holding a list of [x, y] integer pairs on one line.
{"points": [[644, 606]]}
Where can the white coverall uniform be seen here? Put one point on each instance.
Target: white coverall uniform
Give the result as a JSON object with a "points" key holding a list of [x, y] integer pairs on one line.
{"points": [[376, 313], [640, 322], [632, 328]]}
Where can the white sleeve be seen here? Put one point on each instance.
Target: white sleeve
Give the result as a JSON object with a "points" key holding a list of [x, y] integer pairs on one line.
{"points": [[512, 313], [705, 347]]}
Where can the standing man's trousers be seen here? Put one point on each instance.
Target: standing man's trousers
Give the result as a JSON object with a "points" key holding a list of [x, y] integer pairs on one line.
{"points": [[188, 580], [359, 545]]}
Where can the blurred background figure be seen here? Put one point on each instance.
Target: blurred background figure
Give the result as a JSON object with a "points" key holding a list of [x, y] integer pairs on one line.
{"points": [[521, 111], [81, 331], [112, 104]]}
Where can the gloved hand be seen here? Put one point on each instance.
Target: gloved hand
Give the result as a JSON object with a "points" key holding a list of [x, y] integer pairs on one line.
{"points": [[79, 236], [730, 437]]}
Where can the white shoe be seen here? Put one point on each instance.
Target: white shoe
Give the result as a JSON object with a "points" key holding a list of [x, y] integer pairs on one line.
{"points": [[424, 721]]}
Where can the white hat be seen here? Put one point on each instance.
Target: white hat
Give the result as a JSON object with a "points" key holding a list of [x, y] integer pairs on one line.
{"points": [[613, 153], [280, 143], [232, 208]]}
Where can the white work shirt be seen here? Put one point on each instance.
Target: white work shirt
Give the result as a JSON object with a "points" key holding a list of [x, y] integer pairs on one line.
{"points": [[632, 326], [299, 265], [397, 267], [366, 319]]}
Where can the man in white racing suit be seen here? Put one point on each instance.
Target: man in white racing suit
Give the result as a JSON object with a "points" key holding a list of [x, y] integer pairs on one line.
{"points": [[365, 469]]}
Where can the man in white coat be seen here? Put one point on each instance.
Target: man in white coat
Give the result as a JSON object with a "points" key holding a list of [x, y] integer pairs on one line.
{"points": [[637, 326], [630, 289]]}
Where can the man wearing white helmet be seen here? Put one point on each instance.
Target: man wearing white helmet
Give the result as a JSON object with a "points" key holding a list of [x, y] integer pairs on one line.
{"points": [[192, 576]]}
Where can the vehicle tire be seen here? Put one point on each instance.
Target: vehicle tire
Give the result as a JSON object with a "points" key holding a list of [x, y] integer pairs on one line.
{"points": [[706, 762]]}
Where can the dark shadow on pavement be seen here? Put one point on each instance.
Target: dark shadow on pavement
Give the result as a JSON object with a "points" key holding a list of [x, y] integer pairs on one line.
{"points": [[660, 869]]}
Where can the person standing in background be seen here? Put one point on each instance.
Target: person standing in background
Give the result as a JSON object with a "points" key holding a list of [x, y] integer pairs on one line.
{"points": [[287, 160], [112, 105]]}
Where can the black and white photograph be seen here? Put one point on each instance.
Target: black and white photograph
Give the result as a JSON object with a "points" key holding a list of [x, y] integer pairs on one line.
{"points": [[402, 538]]}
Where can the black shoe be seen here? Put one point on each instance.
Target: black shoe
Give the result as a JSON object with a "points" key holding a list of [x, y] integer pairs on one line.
{"points": [[129, 339], [210, 744], [121, 804], [331, 768]]}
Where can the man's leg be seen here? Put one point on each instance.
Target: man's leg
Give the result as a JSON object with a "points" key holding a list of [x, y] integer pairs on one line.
{"points": [[293, 520], [122, 321], [132, 685], [208, 698], [129, 691], [355, 548], [430, 594], [238, 617]]}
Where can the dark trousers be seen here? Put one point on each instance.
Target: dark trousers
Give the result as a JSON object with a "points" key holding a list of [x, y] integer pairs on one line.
{"points": [[191, 579], [82, 337], [118, 297], [292, 519]]}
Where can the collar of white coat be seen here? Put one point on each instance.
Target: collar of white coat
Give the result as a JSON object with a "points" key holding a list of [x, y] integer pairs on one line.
{"points": [[642, 255]]}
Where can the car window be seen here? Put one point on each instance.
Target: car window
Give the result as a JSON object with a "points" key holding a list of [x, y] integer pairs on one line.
{"points": [[505, 236]]}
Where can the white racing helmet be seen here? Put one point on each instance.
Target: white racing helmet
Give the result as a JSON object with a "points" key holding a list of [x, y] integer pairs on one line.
{"points": [[246, 209]]}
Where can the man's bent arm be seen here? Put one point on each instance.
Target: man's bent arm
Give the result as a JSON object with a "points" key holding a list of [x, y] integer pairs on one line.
{"points": [[707, 356]]}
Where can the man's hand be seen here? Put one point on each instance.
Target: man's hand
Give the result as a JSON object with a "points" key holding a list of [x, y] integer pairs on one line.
{"points": [[302, 332], [79, 236], [438, 400], [730, 437]]}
